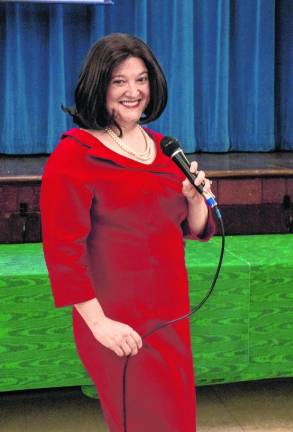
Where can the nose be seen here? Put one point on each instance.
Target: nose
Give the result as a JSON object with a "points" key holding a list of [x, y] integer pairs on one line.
{"points": [[132, 89]]}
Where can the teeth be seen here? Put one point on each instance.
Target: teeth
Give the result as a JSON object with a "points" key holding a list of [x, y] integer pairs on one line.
{"points": [[130, 103]]}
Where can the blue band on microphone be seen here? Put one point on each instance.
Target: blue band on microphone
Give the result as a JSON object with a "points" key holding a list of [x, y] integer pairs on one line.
{"points": [[211, 202]]}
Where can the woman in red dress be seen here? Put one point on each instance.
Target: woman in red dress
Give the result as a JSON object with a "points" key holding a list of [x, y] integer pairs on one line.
{"points": [[115, 212]]}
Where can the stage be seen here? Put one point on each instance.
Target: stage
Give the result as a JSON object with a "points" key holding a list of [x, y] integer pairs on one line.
{"points": [[253, 190]]}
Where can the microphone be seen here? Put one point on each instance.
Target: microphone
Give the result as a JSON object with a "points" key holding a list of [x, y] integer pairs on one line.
{"points": [[171, 148]]}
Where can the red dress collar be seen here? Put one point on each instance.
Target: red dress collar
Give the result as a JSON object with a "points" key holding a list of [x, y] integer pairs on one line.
{"points": [[97, 149]]}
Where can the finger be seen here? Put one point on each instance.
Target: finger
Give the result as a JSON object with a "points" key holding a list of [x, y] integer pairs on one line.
{"points": [[119, 351], [200, 178], [134, 343], [137, 339], [193, 166], [125, 347], [131, 344], [207, 187], [187, 186], [207, 183], [188, 189], [120, 344], [134, 352]]}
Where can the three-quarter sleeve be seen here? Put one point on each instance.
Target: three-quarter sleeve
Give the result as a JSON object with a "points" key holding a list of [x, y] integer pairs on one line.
{"points": [[208, 232], [65, 212]]}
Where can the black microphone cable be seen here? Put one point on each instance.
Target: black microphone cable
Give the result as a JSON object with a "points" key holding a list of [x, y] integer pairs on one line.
{"points": [[171, 148]]}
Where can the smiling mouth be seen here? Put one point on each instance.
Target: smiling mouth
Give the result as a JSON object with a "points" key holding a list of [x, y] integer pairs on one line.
{"points": [[131, 104]]}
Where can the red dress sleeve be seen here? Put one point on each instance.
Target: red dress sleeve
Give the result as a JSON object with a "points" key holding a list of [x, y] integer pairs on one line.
{"points": [[65, 211]]}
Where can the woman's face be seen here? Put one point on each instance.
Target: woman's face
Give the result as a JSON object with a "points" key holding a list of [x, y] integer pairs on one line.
{"points": [[128, 92]]}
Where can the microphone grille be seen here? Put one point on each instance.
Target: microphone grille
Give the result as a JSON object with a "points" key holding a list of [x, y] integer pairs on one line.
{"points": [[169, 145]]}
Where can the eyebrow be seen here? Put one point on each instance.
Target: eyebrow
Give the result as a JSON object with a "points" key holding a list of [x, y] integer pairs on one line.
{"points": [[123, 76]]}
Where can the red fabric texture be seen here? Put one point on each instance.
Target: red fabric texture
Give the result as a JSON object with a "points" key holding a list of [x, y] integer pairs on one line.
{"points": [[114, 229]]}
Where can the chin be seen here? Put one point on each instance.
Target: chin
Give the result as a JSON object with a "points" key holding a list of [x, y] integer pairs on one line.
{"points": [[129, 119], [126, 114]]}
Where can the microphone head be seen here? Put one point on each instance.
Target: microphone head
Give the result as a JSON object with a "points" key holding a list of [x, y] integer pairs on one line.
{"points": [[169, 145]]}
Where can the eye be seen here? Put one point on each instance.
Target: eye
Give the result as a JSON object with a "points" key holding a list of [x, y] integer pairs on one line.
{"points": [[143, 79], [118, 82]]}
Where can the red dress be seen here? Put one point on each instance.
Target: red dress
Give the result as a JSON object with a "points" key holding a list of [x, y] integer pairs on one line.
{"points": [[113, 229]]}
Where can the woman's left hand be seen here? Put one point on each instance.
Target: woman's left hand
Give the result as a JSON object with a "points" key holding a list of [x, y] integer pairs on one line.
{"points": [[189, 191]]}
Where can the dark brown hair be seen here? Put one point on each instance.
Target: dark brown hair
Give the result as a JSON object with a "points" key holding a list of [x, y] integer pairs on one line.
{"points": [[90, 94]]}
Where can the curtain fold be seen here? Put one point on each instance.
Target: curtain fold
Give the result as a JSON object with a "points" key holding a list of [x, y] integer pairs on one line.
{"points": [[173, 45], [284, 75], [252, 72], [212, 76], [227, 62]]}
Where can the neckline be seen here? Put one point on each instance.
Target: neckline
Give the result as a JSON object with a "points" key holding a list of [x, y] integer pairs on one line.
{"points": [[121, 159]]}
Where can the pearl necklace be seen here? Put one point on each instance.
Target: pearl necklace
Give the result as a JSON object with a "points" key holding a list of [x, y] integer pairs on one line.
{"points": [[147, 154]]}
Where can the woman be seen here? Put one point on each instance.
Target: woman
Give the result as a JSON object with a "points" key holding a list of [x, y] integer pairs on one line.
{"points": [[115, 210]]}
